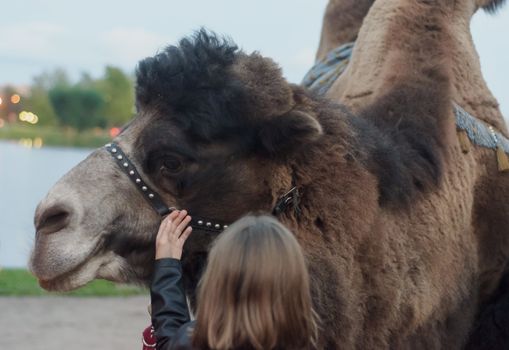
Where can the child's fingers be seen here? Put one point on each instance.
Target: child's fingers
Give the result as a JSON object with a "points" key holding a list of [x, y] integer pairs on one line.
{"points": [[180, 217], [160, 232], [173, 231], [171, 216], [166, 225], [185, 234], [168, 220], [182, 225]]}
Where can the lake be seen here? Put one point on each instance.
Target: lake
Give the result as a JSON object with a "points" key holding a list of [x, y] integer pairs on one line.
{"points": [[26, 175]]}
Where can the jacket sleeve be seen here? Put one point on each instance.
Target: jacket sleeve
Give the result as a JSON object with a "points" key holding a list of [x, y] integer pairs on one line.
{"points": [[169, 304]]}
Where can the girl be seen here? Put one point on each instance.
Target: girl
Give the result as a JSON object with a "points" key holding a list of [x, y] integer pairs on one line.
{"points": [[254, 293]]}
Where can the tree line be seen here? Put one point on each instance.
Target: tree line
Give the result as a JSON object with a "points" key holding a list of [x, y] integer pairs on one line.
{"points": [[88, 103]]}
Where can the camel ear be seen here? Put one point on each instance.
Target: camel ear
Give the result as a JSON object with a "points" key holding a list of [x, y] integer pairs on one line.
{"points": [[287, 133]]}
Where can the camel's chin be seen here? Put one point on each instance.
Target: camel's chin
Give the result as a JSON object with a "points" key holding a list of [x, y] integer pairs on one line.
{"points": [[97, 267], [71, 280], [109, 267], [58, 285]]}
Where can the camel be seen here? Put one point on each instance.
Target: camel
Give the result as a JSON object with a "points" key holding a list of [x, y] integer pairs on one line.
{"points": [[381, 199]]}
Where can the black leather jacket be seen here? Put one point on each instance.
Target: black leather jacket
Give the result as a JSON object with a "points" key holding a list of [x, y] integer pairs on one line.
{"points": [[170, 313]]}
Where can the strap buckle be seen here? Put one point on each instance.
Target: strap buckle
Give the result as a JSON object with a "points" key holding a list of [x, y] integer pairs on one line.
{"points": [[291, 197]]}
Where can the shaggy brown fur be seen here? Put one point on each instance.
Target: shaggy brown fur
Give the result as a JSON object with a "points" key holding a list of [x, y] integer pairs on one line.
{"points": [[490, 211], [359, 178]]}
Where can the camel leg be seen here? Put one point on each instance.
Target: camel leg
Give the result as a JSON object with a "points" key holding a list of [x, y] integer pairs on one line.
{"points": [[491, 331], [491, 222]]}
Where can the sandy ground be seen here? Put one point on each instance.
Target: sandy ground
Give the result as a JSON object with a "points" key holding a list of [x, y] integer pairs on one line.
{"points": [[38, 323]]}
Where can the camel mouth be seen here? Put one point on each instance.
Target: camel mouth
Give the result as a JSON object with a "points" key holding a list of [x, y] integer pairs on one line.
{"points": [[68, 280], [56, 285], [77, 277], [105, 266], [82, 272]]}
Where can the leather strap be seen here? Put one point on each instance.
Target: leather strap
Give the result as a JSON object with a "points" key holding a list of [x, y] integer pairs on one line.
{"points": [[197, 222]]}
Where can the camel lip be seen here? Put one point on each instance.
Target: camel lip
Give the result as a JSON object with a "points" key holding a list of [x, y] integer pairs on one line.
{"points": [[48, 285], [64, 282], [79, 276], [61, 281], [83, 273], [56, 283]]}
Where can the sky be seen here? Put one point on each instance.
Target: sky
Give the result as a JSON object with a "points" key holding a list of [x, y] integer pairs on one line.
{"points": [[84, 36]]}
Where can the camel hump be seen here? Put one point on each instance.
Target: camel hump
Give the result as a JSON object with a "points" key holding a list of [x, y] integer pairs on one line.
{"points": [[491, 6]]}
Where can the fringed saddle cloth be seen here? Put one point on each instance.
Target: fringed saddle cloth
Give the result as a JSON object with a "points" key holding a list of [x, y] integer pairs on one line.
{"points": [[470, 129]]}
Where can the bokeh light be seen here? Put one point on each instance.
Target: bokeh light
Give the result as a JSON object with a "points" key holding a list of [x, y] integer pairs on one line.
{"points": [[38, 142], [1, 101], [15, 98], [28, 117], [114, 132], [29, 143], [26, 143]]}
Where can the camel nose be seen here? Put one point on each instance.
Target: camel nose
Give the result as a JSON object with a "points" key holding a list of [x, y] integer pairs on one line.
{"points": [[51, 219]]}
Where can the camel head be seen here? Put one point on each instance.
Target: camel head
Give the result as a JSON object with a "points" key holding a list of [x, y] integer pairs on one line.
{"points": [[214, 133]]}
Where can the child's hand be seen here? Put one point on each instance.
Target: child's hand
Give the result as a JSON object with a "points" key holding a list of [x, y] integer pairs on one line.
{"points": [[172, 235]]}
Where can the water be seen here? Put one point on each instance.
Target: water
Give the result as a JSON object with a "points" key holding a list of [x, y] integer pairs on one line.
{"points": [[26, 175]]}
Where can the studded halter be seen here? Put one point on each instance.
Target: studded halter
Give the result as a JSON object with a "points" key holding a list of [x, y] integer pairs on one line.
{"points": [[157, 203]]}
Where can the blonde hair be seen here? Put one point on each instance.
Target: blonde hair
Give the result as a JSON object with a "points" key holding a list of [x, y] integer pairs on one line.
{"points": [[255, 291]]}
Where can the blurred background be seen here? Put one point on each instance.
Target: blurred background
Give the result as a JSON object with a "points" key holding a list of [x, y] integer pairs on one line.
{"points": [[66, 86]]}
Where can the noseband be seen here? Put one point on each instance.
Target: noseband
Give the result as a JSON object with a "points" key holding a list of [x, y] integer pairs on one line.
{"points": [[157, 203]]}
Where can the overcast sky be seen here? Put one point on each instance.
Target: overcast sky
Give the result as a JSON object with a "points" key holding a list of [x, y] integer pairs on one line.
{"points": [[39, 35]]}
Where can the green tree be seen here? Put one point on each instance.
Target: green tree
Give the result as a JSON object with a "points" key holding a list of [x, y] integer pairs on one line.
{"points": [[49, 80], [78, 107], [86, 81], [117, 89], [38, 100]]}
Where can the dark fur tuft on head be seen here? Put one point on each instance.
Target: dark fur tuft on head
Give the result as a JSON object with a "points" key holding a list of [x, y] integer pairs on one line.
{"points": [[190, 77], [211, 90], [493, 6], [198, 62], [208, 85]]}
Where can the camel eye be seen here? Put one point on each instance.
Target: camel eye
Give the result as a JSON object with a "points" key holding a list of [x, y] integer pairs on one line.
{"points": [[171, 166]]}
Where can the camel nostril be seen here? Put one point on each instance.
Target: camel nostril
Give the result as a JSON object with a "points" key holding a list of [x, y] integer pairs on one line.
{"points": [[52, 220]]}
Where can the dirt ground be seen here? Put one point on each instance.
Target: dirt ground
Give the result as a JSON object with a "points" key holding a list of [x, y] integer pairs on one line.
{"points": [[42, 323]]}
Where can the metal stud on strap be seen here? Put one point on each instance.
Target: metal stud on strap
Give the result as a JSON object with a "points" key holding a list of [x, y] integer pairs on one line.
{"points": [[128, 167]]}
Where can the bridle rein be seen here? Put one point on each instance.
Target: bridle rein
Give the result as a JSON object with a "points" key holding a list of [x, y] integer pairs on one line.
{"points": [[154, 199]]}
